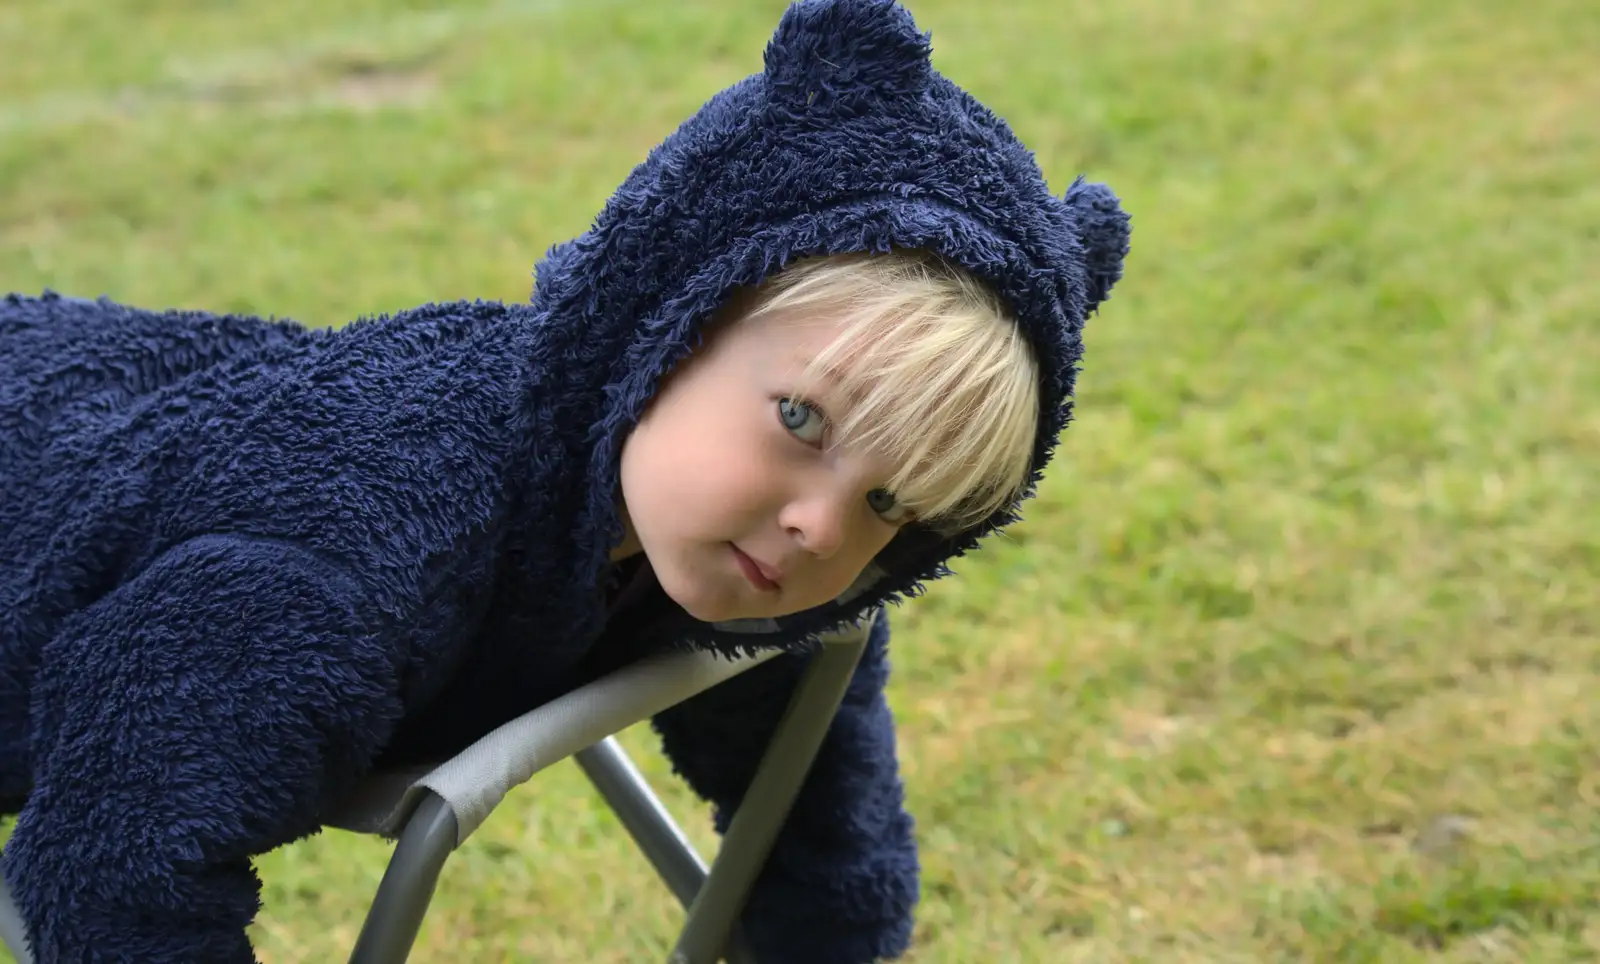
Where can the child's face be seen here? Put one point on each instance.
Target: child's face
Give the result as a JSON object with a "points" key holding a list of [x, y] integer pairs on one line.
{"points": [[728, 468]]}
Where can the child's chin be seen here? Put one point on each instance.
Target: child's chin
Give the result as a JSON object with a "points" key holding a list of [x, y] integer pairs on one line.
{"points": [[718, 614], [710, 602], [704, 606]]}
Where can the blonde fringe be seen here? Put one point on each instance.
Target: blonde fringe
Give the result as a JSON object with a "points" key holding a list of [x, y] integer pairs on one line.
{"points": [[941, 381]]}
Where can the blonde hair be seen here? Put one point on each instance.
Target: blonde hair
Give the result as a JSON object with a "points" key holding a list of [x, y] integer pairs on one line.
{"points": [[941, 380]]}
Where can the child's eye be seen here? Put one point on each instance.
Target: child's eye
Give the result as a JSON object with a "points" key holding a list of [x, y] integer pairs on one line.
{"points": [[883, 502], [803, 419]]}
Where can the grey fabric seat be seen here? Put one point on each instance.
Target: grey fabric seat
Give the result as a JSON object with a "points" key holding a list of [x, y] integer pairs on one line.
{"points": [[433, 810]]}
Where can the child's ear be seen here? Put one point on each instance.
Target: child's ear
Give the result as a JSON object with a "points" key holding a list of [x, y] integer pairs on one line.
{"points": [[837, 52]]}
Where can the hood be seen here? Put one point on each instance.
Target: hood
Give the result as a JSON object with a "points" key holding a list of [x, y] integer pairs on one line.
{"points": [[847, 141]]}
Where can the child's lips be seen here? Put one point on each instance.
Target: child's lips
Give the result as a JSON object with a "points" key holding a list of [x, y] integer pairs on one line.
{"points": [[760, 576]]}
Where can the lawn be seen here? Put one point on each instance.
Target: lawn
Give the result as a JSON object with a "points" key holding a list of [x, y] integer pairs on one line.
{"points": [[1295, 655]]}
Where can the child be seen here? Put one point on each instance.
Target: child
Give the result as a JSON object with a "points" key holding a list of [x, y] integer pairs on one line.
{"points": [[821, 341]]}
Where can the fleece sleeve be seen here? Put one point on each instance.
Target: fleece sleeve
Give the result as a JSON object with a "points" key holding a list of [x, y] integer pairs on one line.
{"points": [[842, 879], [194, 717]]}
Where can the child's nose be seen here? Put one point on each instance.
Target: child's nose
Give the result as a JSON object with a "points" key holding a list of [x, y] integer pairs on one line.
{"points": [[818, 524]]}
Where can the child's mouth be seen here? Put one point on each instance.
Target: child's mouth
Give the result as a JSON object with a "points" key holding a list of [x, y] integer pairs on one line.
{"points": [[752, 571]]}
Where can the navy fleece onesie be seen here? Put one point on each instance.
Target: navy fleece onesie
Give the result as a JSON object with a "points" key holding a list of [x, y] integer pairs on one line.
{"points": [[243, 562]]}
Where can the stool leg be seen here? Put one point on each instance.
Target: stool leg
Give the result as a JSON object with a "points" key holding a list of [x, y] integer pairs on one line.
{"points": [[644, 817], [651, 826], [391, 926], [767, 803], [13, 933]]}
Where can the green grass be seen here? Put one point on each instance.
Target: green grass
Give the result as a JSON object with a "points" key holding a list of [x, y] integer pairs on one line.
{"points": [[1318, 564]]}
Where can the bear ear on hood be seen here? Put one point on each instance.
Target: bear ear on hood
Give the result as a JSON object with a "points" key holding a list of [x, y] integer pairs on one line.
{"points": [[844, 51], [1104, 231]]}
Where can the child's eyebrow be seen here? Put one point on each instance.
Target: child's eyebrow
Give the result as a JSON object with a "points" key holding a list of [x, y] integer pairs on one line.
{"points": [[841, 391]]}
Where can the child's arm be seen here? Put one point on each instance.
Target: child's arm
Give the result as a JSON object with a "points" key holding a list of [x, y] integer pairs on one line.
{"points": [[196, 716], [842, 878]]}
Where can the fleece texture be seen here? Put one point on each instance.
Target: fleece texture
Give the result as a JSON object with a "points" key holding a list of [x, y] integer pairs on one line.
{"points": [[243, 562]]}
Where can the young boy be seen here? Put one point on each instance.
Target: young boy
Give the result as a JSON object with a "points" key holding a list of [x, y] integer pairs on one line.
{"points": [[821, 341]]}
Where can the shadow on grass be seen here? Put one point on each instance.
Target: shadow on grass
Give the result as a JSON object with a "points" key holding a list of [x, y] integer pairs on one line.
{"points": [[1431, 911]]}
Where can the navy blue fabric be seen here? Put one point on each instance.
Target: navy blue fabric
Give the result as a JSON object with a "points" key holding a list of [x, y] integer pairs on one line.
{"points": [[244, 562]]}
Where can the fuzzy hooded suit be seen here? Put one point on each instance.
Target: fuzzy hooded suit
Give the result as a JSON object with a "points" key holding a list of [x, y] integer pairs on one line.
{"points": [[243, 562]]}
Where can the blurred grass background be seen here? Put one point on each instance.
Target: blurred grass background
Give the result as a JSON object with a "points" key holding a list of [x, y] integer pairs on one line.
{"points": [[1295, 656]]}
